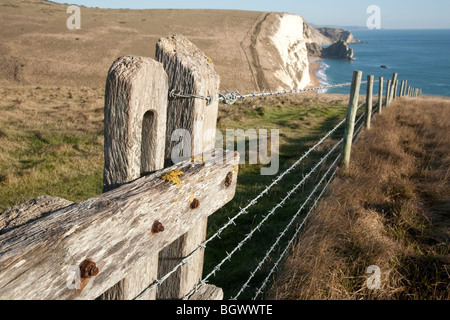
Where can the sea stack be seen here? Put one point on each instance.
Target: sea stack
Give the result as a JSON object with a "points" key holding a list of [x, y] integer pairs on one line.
{"points": [[338, 50]]}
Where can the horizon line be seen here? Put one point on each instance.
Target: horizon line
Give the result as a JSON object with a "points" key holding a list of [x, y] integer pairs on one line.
{"points": [[311, 23]]}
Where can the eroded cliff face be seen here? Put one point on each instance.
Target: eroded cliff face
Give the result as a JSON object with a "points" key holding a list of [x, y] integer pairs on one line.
{"points": [[293, 71], [336, 35], [279, 45], [277, 52]]}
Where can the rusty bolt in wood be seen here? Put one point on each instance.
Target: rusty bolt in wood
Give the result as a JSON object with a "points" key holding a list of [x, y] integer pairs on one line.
{"points": [[229, 179], [88, 269], [195, 204], [157, 227]]}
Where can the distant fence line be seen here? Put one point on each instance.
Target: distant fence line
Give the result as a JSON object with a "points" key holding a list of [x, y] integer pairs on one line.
{"points": [[148, 231]]}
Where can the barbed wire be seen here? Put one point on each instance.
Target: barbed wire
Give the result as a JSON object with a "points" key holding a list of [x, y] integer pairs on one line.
{"points": [[259, 291], [230, 98], [258, 227], [281, 235], [294, 237], [231, 221], [158, 282]]}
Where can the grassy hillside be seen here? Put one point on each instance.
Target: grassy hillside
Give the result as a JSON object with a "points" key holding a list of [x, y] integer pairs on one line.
{"points": [[36, 48], [51, 142], [391, 209]]}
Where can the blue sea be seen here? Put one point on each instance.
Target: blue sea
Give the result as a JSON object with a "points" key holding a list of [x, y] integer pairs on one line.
{"points": [[420, 56]]}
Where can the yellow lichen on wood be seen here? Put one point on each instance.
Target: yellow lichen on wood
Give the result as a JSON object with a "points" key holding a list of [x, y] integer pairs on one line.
{"points": [[236, 169], [174, 176], [198, 159], [208, 58]]}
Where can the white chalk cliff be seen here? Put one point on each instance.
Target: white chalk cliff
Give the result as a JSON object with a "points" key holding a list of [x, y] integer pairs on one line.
{"points": [[277, 50], [288, 39]]}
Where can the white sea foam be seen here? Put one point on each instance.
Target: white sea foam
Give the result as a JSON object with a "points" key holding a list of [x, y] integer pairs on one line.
{"points": [[322, 76]]}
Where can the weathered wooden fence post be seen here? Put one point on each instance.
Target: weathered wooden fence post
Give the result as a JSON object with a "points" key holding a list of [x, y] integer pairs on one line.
{"points": [[351, 117], [135, 129], [405, 88], [395, 90], [369, 101], [388, 92], [380, 95], [190, 71], [402, 87], [392, 89]]}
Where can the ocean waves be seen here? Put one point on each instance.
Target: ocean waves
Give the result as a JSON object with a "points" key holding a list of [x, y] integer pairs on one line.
{"points": [[322, 75]]}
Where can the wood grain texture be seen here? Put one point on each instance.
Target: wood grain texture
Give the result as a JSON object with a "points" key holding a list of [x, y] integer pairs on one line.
{"points": [[29, 211], [114, 229], [182, 281], [135, 119], [189, 71], [208, 293], [135, 129]]}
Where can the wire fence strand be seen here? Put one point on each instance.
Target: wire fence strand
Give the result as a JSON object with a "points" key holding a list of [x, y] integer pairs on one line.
{"points": [[242, 211], [271, 213], [266, 280], [294, 237], [230, 98], [281, 235]]}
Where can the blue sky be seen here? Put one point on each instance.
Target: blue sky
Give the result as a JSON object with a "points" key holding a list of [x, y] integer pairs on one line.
{"points": [[395, 14]]}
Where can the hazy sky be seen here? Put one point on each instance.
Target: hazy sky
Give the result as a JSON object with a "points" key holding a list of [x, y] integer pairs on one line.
{"points": [[395, 14]]}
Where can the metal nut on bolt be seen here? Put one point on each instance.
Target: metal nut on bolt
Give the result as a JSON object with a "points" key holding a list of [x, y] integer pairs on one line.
{"points": [[88, 269], [195, 204], [157, 227]]}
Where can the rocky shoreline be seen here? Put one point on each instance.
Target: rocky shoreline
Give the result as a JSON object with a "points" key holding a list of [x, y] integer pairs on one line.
{"points": [[327, 43], [338, 50]]}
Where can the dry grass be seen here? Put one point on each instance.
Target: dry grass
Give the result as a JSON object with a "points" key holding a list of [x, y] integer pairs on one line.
{"points": [[391, 209], [36, 48]]}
